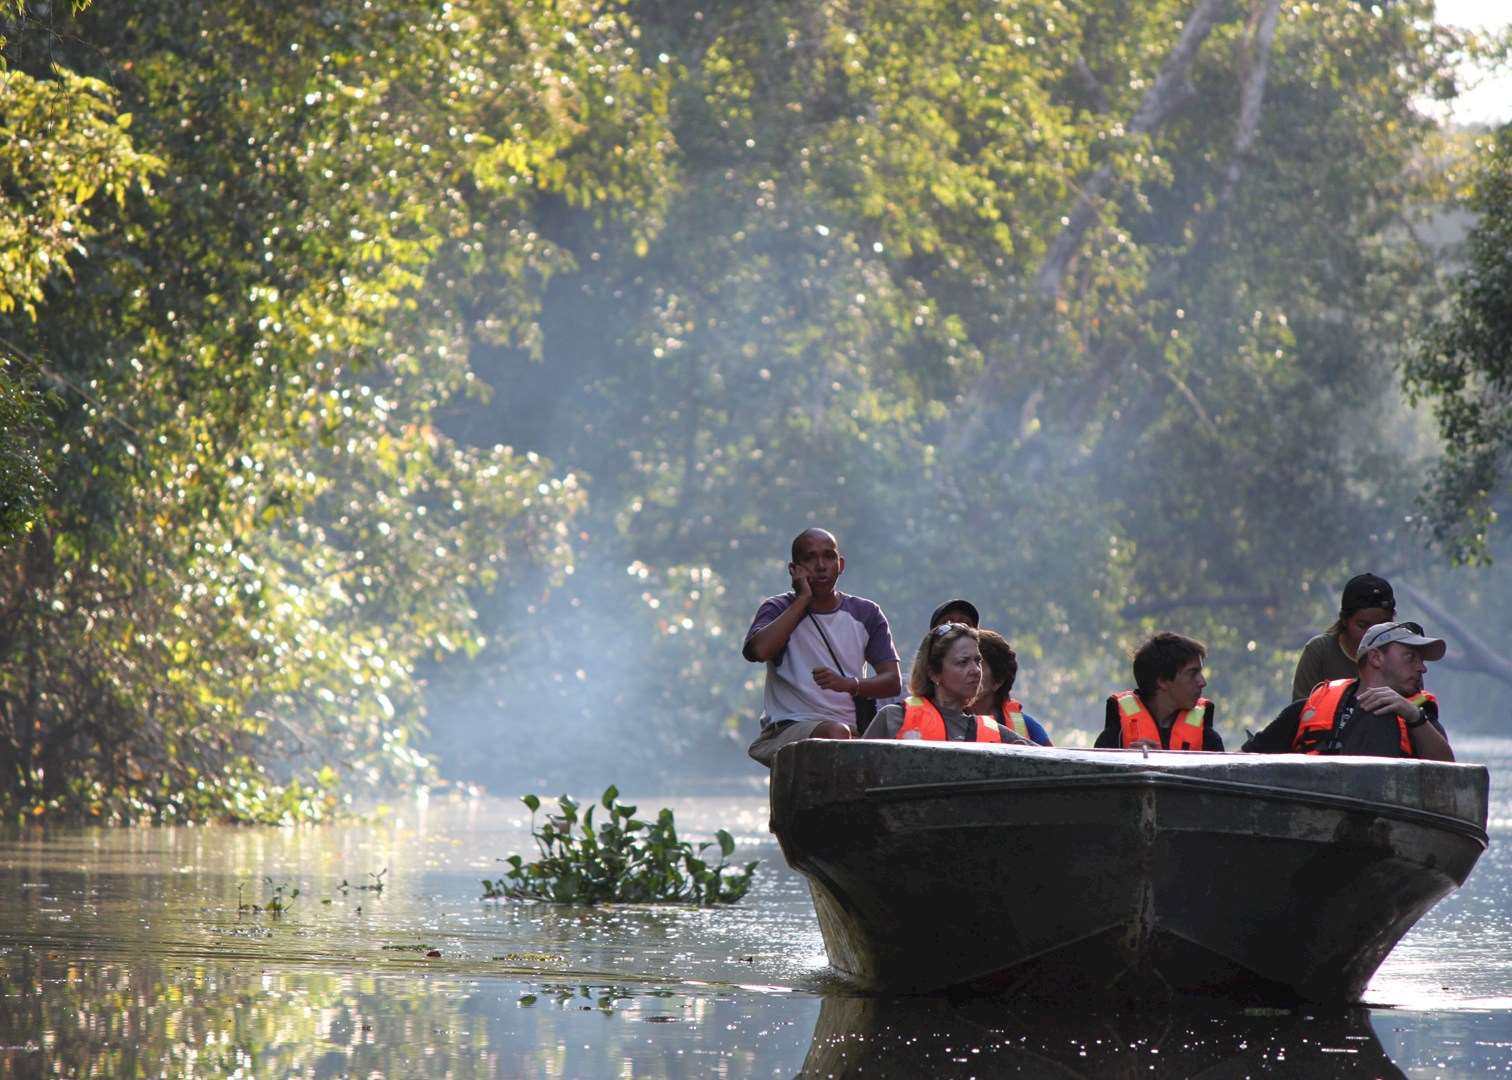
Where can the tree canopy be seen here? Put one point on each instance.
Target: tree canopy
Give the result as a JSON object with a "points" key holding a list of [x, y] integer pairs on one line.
{"points": [[483, 356], [1464, 366]]}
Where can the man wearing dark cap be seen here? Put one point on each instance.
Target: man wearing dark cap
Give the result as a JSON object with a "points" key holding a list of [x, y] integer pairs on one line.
{"points": [[1382, 712], [957, 611], [1367, 600]]}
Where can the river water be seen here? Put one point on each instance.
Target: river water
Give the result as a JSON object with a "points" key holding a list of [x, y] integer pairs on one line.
{"points": [[124, 952]]}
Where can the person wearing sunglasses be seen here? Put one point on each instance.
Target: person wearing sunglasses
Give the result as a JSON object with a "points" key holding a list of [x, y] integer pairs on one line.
{"points": [[946, 676], [1383, 711], [1166, 711]]}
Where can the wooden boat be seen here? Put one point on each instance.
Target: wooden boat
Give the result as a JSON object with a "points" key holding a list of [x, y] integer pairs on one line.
{"points": [[1123, 872]]}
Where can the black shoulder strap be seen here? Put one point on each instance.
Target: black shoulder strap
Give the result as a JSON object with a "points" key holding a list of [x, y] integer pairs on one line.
{"points": [[820, 627]]}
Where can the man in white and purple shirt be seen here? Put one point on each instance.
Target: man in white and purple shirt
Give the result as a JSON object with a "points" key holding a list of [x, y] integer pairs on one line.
{"points": [[816, 642]]}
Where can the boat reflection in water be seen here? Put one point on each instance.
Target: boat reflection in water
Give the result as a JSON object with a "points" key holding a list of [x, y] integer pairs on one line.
{"points": [[931, 1036], [1068, 873]]}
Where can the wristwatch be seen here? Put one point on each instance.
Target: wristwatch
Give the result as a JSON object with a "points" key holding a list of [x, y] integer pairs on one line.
{"points": [[1420, 721]]}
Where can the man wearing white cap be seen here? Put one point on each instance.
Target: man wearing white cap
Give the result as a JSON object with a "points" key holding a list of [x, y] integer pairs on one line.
{"points": [[1383, 713]]}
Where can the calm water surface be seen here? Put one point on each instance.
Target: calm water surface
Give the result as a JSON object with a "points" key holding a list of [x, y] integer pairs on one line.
{"points": [[123, 953]]}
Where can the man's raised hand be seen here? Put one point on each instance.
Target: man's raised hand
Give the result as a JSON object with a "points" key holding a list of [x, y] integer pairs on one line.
{"points": [[1385, 700], [833, 680]]}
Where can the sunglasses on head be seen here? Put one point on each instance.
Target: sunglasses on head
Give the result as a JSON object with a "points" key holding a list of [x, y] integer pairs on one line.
{"points": [[1391, 633]]}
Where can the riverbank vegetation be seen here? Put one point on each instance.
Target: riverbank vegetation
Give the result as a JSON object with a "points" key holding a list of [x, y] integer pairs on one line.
{"points": [[368, 357]]}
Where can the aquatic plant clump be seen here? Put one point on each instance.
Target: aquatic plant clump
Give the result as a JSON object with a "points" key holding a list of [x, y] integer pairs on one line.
{"points": [[625, 859]]}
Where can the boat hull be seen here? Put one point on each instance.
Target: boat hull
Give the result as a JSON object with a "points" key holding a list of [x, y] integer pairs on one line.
{"points": [[1119, 872]]}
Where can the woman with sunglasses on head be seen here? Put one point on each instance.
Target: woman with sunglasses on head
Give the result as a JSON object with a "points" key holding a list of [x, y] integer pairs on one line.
{"points": [[945, 678]]}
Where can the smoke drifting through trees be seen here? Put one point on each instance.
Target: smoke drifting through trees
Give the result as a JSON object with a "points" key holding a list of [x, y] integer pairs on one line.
{"points": [[839, 324]]}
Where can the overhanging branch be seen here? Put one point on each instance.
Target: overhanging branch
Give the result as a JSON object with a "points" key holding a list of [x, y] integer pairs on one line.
{"points": [[1164, 95], [1468, 651]]}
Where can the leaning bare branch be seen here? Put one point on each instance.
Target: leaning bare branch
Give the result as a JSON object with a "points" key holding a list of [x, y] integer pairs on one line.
{"points": [[1162, 98], [1467, 649]]}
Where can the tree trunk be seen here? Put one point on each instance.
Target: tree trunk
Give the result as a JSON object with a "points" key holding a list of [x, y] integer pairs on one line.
{"points": [[1162, 98]]}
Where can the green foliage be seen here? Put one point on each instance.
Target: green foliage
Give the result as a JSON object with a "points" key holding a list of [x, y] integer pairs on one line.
{"points": [[840, 325], [23, 484], [63, 141], [624, 860], [305, 278], [259, 526], [1464, 367]]}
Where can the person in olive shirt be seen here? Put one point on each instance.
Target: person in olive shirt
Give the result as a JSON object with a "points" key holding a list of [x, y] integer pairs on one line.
{"points": [[1382, 712], [1367, 601]]}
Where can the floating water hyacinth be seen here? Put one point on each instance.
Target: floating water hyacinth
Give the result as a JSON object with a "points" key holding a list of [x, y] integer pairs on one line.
{"points": [[624, 860]]}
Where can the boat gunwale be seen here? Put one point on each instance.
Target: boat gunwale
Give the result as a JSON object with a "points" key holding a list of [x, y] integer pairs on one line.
{"points": [[1157, 778]]}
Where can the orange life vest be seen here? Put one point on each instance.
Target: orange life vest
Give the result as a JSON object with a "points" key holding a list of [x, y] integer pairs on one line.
{"points": [[1013, 718], [1316, 724], [921, 720], [1136, 723]]}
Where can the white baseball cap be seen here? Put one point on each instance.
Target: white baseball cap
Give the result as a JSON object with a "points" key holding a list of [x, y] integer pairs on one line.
{"points": [[1407, 633]]}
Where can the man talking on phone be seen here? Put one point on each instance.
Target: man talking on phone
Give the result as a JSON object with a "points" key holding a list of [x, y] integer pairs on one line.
{"points": [[816, 643]]}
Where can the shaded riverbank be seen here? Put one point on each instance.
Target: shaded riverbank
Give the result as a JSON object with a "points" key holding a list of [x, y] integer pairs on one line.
{"points": [[124, 952]]}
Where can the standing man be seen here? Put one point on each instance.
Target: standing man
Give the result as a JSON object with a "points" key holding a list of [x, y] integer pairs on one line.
{"points": [[1383, 712], [816, 642], [1167, 711]]}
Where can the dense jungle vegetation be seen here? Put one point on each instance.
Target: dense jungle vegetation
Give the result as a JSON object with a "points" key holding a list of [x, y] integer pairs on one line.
{"points": [[386, 383]]}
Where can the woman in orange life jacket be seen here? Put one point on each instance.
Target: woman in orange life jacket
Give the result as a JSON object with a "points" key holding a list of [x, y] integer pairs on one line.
{"points": [[946, 676], [999, 669], [1167, 711], [1384, 712]]}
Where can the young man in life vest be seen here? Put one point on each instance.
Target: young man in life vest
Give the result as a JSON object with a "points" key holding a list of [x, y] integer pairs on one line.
{"points": [[946, 676], [1384, 712], [816, 642], [1167, 711]]}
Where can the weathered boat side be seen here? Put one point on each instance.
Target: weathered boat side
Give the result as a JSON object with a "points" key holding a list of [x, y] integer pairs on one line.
{"points": [[1074, 871]]}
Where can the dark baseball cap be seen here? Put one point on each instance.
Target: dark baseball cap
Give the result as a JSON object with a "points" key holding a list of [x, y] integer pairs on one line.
{"points": [[964, 605], [1367, 591]]}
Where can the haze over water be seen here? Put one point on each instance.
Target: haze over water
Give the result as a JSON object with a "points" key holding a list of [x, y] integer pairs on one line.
{"points": [[123, 953]]}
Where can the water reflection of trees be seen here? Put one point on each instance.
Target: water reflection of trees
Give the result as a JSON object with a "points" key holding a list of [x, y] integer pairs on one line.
{"points": [[68, 1016], [74, 1017], [871, 1037]]}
